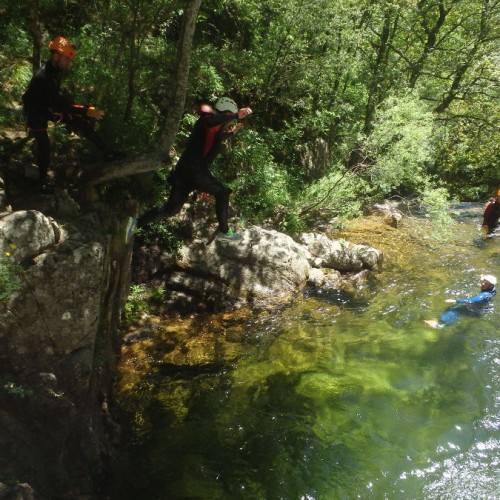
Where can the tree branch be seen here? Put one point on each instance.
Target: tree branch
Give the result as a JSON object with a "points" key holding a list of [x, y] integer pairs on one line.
{"points": [[158, 158]]}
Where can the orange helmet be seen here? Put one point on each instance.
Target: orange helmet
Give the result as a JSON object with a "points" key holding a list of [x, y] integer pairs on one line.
{"points": [[63, 46]]}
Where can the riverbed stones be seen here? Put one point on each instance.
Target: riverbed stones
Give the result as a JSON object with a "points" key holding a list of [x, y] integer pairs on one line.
{"points": [[316, 277]]}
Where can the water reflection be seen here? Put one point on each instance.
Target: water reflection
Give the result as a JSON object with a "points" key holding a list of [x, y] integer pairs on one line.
{"points": [[341, 395]]}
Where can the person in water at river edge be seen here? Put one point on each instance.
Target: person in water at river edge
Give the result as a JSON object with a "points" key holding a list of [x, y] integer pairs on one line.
{"points": [[192, 171], [492, 214], [472, 306]]}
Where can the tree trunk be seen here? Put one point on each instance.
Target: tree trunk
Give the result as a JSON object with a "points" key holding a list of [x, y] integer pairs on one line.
{"points": [[36, 34], [178, 99], [431, 38], [379, 70], [159, 157]]}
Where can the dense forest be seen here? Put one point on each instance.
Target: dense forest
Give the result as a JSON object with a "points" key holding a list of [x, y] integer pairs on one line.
{"points": [[354, 100]]}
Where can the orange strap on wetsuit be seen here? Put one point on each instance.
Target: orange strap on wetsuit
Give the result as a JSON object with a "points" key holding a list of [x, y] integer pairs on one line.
{"points": [[81, 107]]}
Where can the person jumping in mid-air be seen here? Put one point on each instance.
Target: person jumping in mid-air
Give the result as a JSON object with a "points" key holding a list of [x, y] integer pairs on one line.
{"points": [[44, 101], [472, 306], [192, 171]]}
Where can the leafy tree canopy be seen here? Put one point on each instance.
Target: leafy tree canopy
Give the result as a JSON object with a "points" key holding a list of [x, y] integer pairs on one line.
{"points": [[401, 96]]}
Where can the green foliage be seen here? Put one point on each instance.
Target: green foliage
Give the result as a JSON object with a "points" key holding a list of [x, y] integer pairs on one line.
{"points": [[341, 193], [400, 146], [185, 126], [260, 185], [10, 278], [416, 98], [18, 390], [141, 301], [436, 204], [15, 39], [162, 233], [468, 156], [208, 82], [15, 74], [97, 77], [136, 303]]}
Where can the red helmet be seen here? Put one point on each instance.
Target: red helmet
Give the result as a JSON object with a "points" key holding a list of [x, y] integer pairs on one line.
{"points": [[63, 46]]}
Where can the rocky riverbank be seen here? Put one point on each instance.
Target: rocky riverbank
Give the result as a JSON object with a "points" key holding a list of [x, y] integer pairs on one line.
{"points": [[66, 271]]}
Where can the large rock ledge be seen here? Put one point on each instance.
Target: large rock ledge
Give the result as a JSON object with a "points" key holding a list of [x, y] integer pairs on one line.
{"points": [[265, 266], [55, 311]]}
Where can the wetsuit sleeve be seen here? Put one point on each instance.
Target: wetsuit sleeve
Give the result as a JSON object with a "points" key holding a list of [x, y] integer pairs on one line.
{"points": [[480, 297], [65, 105], [221, 119]]}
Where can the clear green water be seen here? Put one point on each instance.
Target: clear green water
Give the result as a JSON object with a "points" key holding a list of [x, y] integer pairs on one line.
{"points": [[338, 396]]}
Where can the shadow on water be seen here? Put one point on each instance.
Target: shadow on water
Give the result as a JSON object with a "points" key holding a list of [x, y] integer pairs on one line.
{"points": [[344, 394]]}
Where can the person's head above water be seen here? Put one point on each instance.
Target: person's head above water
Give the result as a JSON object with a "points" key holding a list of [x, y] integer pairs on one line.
{"points": [[488, 281]]}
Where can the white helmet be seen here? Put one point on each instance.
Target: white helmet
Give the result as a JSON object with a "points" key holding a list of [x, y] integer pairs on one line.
{"points": [[225, 104], [489, 278]]}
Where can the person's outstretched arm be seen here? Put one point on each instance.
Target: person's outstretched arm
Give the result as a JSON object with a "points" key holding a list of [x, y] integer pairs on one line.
{"points": [[480, 297]]}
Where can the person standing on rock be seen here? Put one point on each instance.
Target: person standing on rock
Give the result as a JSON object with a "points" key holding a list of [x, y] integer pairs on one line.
{"points": [[192, 171], [44, 101], [472, 306]]}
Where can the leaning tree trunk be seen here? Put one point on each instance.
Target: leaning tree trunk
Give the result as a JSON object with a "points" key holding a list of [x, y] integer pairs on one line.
{"points": [[159, 156]]}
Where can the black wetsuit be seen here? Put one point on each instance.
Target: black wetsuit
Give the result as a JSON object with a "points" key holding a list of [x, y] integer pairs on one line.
{"points": [[192, 170], [44, 101]]}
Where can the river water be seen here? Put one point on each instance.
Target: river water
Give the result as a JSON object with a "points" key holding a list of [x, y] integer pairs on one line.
{"points": [[337, 395]]}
